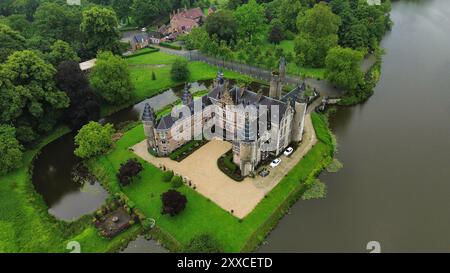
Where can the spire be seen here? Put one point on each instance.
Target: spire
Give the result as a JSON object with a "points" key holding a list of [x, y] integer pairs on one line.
{"points": [[282, 69], [220, 78], [148, 114], [187, 96]]}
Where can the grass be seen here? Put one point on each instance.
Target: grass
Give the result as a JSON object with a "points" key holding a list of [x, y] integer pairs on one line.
{"points": [[202, 215], [26, 225], [145, 87]]}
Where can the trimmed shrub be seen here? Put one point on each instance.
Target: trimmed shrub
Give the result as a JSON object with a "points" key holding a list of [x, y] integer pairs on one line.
{"points": [[147, 224], [170, 45], [173, 202], [203, 243], [177, 181], [167, 176], [128, 171]]}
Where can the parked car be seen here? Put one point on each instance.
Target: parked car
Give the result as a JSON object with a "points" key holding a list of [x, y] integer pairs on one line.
{"points": [[288, 151], [275, 162]]}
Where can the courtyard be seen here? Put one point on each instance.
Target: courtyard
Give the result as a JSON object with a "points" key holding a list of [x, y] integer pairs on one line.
{"points": [[239, 198]]}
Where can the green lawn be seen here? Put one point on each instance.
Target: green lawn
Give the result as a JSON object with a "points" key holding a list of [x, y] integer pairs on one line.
{"points": [[145, 87], [25, 224], [202, 215], [152, 59]]}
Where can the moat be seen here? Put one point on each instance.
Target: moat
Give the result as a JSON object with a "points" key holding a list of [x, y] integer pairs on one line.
{"points": [[394, 186]]}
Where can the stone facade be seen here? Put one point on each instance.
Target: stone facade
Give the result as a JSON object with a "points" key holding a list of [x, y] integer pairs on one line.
{"points": [[227, 111]]}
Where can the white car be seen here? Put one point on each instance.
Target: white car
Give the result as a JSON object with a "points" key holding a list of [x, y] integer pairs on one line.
{"points": [[288, 151], [275, 162]]}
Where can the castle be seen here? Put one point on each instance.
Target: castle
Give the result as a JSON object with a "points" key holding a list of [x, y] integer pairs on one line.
{"points": [[227, 109]]}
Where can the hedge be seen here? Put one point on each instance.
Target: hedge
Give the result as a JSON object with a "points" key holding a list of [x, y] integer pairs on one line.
{"points": [[170, 45], [144, 51]]}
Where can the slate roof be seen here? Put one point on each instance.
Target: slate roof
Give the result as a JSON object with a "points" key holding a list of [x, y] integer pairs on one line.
{"points": [[140, 37], [247, 97], [148, 114]]}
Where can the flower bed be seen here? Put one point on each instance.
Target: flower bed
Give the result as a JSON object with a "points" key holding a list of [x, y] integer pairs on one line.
{"points": [[187, 149], [227, 166]]}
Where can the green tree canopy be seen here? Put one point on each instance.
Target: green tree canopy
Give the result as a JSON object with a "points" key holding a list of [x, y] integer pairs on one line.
{"points": [[33, 101], [10, 149], [180, 70], [110, 78], [10, 41], [145, 11], [250, 18], [57, 22], [317, 34], [122, 8], [93, 139], [343, 68], [62, 51], [222, 24], [99, 29]]}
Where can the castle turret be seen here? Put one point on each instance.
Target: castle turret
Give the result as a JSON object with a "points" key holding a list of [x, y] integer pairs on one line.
{"points": [[149, 121], [187, 96], [246, 150], [220, 80]]}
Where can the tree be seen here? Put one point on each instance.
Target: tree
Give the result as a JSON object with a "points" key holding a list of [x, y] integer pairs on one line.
{"points": [[36, 102], [145, 11], [203, 243], [223, 24], [10, 149], [197, 38], [110, 78], [234, 4], [10, 41], [343, 68], [173, 202], [122, 8], [276, 34], [180, 70], [176, 181], [27, 7], [128, 171], [250, 19], [57, 22], [289, 10], [18, 22], [167, 176], [61, 51], [318, 33], [83, 104], [99, 29], [356, 37], [93, 139]]}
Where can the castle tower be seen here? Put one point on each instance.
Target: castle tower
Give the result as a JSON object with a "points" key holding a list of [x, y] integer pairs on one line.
{"points": [[219, 81], [277, 80], [247, 158], [186, 98], [298, 121], [149, 121]]}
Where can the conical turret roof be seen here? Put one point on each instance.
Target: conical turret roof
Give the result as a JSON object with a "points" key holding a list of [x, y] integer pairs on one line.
{"points": [[148, 114]]}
